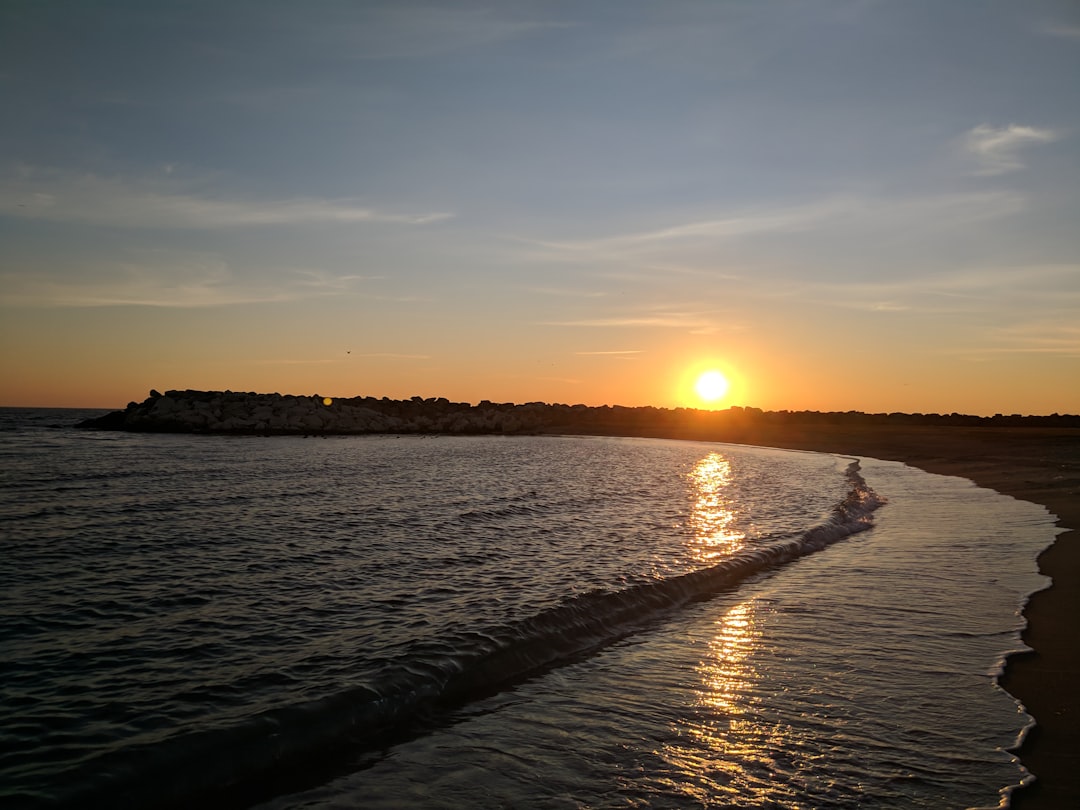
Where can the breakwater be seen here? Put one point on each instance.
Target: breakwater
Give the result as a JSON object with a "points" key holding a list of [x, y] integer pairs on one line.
{"points": [[283, 414], [191, 411]]}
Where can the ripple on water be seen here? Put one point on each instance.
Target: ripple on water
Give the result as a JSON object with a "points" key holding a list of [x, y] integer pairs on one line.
{"points": [[160, 585]]}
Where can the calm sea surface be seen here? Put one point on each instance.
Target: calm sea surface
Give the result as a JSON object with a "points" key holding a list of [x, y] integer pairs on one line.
{"points": [[499, 622]]}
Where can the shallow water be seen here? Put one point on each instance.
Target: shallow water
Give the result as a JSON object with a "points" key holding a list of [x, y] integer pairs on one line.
{"points": [[492, 621], [860, 676]]}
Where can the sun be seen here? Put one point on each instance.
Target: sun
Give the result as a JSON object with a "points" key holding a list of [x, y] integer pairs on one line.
{"points": [[711, 385]]}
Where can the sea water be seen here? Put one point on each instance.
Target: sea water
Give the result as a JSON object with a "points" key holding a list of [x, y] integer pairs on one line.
{"points": [[418, 621]]}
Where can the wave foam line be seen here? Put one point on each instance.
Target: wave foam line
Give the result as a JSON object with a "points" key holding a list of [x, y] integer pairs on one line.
{"points": [[297, 746]]}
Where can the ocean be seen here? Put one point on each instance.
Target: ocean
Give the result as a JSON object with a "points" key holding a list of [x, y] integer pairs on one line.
{"points": [[499, 622]]}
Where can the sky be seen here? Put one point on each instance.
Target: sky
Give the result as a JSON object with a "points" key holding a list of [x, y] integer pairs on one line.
{"points": [[841, 205]]}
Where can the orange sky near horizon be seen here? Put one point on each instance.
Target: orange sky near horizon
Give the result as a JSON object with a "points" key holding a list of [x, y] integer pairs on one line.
{"points": [[122, 364]]}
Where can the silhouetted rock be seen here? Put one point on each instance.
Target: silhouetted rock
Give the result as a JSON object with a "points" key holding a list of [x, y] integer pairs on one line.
{"points": [[109, 421], [275, 414]]}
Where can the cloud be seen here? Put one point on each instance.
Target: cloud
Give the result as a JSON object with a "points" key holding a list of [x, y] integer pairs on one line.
{"points": [[1060, 30], [167, 279], [157, 202], [1044, 337], [694, 322], [618, 354], [566, 292], [997, 148], [845, 215], [676, 320], [730, 227], [393, 32], [325, 361], [976, 289], [342, 359], [562, 380], [322, 281], [392, 355]]}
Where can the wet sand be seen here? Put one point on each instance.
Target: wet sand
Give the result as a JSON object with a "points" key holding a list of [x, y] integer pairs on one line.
{"points": [[1035, 464]]}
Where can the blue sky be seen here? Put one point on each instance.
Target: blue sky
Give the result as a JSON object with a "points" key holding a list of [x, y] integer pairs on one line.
{"points": [[844, 205]]}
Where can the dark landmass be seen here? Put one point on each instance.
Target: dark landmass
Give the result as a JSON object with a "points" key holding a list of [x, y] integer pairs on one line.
{"points": [[277, 414], [1034, 458]]}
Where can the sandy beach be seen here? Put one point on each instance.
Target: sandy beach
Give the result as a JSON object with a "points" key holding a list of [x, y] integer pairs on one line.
{"points": [[1041, 465]]}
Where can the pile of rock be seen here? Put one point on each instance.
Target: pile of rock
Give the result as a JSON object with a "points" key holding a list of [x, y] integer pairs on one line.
{"points": [[277, 414]]}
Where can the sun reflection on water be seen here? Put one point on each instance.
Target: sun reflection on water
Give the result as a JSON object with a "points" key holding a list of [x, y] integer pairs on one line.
{"points": [[738, 742], [713, 513], [725, 748], [729, 750], [724, 673]]}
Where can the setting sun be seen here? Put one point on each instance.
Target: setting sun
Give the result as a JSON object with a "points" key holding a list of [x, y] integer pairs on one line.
{"points": [[711, 386]]}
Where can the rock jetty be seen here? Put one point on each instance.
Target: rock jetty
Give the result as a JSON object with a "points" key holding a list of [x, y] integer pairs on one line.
{"points": [[281, 414], [233, 412]]}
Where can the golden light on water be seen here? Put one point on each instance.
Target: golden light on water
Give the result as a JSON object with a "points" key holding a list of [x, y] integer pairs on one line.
{"points": [[713, 513], [725, 746], [725, 673]]}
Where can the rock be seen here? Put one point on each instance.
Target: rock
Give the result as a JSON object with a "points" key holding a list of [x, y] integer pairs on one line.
{"points": [[110, 421], [232, 412], [312, 422]]}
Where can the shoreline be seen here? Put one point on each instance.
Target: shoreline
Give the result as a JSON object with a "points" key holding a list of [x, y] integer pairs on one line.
{"points": [[1035, 459], [1031, 464]]}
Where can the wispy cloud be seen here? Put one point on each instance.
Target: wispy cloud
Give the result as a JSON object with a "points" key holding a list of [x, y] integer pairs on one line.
{"points": [[997, 149], [729, 227], [400, 33], [670, 320], [691, 321], [846, 214], [566, 292], [166, 279], [1062, 30], [323, 281], [160, 202], [1037, 338], [1040, 337], [392, 355], [975, 289], [323, 361], [344, 357]]}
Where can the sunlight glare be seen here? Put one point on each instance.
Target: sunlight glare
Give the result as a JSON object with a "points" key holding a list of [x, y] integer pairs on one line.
{"points": [[711, 386]]}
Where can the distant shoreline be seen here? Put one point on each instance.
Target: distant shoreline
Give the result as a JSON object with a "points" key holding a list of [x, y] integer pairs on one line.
{"points": [[191, 411], [1032, 458]]}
